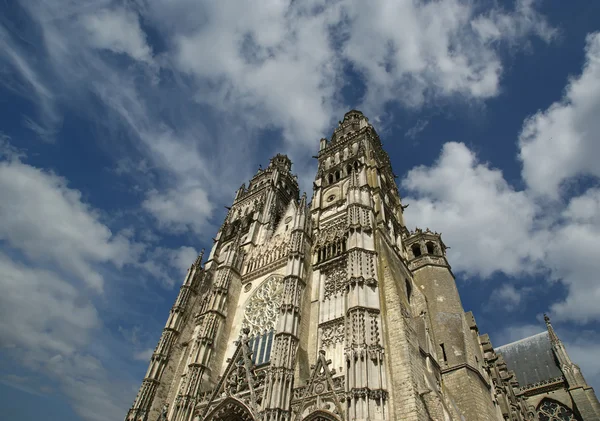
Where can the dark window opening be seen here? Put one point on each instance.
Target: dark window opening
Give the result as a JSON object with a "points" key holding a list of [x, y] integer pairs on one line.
{"points": [[444, 353], [416, 249], [330, 178], [337, 175], [430, 248]]}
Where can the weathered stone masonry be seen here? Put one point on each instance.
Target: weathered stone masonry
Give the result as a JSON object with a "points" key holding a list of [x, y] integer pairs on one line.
{"points": [[333, 310]]}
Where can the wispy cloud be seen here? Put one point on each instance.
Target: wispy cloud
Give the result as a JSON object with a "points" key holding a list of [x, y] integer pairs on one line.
{"points": [[414, 131]]}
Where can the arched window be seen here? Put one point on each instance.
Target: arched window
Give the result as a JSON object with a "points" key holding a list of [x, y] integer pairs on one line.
{"points": [[416, 249], [356, 165], [337, 175], [330, 178], [349, 169], [550, 410], [430, 247]]}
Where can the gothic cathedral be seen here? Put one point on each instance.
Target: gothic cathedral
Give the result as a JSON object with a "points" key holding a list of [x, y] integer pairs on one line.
{"points": [[334, 311]]}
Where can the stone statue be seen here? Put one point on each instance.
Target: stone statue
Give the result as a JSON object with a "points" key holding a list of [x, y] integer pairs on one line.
{"points": [[164, 412]]}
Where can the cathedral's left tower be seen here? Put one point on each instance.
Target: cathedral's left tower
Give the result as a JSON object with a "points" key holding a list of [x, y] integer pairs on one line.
{"points": [[249, 289]]}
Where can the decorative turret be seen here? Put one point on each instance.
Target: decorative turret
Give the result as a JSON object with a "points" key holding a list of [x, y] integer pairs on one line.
{"points": [[425, 248]]}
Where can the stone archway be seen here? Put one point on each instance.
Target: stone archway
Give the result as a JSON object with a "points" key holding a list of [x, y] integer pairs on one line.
{"points": [[231, 409], [321, 415]]}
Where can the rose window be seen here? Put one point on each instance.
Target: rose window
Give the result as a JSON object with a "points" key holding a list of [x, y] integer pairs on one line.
{"points": [[262, 312]]}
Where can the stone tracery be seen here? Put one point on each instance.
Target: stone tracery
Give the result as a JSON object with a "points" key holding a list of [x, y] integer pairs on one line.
{"points": [[263, 306]]}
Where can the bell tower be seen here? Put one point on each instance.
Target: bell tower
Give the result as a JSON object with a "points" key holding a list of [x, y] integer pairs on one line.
{"points": [[355, 207]]}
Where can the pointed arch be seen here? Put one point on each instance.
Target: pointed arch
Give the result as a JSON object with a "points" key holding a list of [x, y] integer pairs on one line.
{"points": [[231, 409], [321, 415], [551, 410]]}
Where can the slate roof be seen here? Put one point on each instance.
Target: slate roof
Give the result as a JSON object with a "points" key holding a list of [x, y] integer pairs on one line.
{"points": [[532, 359]]}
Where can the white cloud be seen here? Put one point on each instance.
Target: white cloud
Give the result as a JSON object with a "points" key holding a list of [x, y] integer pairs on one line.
{"points": [[509, 297], [278, 66], [119, 31], [169, 265], [46, 325], [143, 355], [282, 64], [562, 141], [41, 314], [416, 129], [46, 220], [497, 25], [572, 258], [179, 210], [413, 52], [492, 227], [483, 219]]}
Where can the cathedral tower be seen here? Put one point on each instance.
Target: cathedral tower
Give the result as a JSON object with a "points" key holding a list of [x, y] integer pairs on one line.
{"points": [[329, 310]]}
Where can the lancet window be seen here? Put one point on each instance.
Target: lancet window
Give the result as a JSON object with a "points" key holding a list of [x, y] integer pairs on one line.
{"points": [[331, 250], [341, 173]]}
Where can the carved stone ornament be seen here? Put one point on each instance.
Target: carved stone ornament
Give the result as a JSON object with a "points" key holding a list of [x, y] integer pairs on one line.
{"points": [[321, 384], [333, 333], [263, 306], [335, 281]]}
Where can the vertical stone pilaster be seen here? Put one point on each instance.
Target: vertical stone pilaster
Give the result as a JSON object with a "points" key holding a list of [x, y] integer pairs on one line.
{"points": [[143, 403], [280, 378]]}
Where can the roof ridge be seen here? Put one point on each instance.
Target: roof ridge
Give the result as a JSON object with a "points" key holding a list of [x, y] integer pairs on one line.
{"points": [[521, 340]]}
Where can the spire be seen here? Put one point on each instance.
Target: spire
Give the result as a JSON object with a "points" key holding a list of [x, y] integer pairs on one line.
{"points": [[198, 262], [553, 336], [302, 205]]}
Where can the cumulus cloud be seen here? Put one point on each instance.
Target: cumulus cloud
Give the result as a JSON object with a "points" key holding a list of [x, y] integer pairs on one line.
{"points": [[224, 72], [562, 142], [572, 258], [491, 227], [41, 313], [178, 210], [46, 220], [484, 219]]}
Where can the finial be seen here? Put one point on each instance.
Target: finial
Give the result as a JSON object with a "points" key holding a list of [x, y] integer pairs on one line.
{"points": [[553, 336], [198, 261]]}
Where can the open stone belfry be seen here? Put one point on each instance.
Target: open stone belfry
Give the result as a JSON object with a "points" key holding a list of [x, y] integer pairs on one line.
{"points": [[333, 310]]}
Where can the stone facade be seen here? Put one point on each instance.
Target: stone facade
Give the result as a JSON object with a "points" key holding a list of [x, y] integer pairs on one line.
{"points": [[332, 310]]}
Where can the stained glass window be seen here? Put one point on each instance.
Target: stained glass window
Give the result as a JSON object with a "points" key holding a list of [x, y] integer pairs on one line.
{"points": [[262, 312], [550, 410]]}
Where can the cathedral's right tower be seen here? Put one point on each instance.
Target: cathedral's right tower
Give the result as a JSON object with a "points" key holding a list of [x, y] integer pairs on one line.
{"points": [[372, 318]]}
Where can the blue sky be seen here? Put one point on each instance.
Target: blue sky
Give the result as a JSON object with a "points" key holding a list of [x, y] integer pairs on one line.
{"points": [[126, 127]]}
